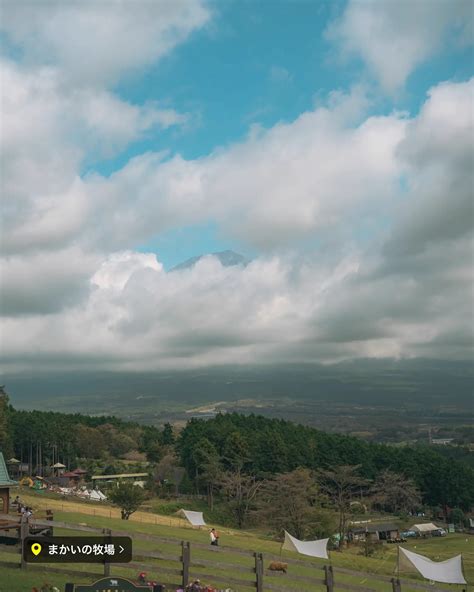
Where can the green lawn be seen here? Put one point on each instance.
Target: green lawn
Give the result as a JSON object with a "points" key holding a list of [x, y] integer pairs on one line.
{"points": [[383, 563]]}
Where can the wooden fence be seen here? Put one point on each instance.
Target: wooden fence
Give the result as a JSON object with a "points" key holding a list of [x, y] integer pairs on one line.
{"points": [[179, 562]]}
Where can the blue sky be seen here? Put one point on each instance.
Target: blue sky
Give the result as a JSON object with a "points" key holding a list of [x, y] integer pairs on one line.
{"points": [[257, 63], [330, 142]]}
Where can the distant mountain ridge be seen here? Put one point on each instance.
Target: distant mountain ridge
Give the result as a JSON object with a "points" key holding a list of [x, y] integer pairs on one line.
{"points": [[227, 258]]}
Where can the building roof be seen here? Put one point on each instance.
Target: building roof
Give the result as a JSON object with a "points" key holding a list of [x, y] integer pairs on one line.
{"points": [[5, 480], [58, 465], [375, 527], [71, 474], [79, 471], [121, 476], [13, 461], [426, 527]]}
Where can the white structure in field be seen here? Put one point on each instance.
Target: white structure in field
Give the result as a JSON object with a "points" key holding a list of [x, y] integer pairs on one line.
{"points": [[195, 518], [312, 548], [425, 528], [447, 572]]}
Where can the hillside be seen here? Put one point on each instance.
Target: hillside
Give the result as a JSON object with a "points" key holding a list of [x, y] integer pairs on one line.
{"points": [[236, 542], [259, 447]]}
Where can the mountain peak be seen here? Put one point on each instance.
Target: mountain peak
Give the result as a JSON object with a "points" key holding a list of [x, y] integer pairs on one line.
{"points": [[227, 258]]}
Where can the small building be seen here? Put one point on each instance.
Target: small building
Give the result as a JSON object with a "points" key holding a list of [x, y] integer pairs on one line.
{"points": [[81, 474], [69, 479], [5, 485], [442, 441], [14, 466], [58, 469], [375, 532]]}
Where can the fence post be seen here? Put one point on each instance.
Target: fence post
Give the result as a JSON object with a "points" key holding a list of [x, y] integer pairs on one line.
{"points": [[259, 571], [24, 532], [396, 585], [186, 559], [329, 578], [107, 533]]}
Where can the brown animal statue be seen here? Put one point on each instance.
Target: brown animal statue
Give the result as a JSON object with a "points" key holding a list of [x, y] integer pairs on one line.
{"points": [[278, 566]]}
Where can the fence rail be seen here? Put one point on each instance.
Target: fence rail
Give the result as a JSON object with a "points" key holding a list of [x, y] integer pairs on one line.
{"points": [[180, 562]]}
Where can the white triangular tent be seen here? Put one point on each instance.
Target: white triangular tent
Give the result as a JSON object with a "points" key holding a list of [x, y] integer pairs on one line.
{"points": [[95, 495], [312, 548], [195, 518], [447, 572]]}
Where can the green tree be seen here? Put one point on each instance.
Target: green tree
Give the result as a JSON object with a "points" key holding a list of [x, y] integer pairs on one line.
{"points": [[236, 452], [5, 426], [90, 442], [211, 473], [167, 435], [128, 497], [155, 452], [168, 473], [457, 516]]}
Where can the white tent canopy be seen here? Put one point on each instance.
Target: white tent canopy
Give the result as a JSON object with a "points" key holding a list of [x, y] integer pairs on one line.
{"points": [[427, 527], [94, 494], [195, 518], [312, 548], [447, 572]]}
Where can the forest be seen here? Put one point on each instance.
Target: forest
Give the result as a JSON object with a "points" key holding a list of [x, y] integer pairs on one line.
{"points": [[245, 463]]}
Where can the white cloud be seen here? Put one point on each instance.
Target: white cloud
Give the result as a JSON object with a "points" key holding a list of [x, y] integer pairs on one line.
{"points": [[325, 177], [48, 132], [58, 114], [96, 42], [118, 268], [281, 184], [393, 38]]}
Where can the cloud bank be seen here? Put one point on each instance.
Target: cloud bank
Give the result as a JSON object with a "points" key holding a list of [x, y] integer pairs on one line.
{"points": [[363, 223], [393, 38]]}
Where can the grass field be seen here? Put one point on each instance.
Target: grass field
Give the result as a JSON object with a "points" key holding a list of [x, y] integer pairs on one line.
{"points": [[383, 563]]}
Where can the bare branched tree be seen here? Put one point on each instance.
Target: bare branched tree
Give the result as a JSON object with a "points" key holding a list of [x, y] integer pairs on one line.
{"points": [[395, 493], [341, 485]]}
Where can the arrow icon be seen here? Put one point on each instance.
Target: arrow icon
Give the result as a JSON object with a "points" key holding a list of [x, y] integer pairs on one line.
{"points": [[122, 549]]}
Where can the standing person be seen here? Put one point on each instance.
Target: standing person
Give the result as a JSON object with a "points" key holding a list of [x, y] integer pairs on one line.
{"points": [[214, 537]]}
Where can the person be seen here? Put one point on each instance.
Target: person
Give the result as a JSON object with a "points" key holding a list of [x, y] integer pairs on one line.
{"points": [[214, 537]]}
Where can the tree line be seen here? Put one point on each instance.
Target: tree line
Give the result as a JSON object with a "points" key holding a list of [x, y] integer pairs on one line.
{"points": [[257, 448]]}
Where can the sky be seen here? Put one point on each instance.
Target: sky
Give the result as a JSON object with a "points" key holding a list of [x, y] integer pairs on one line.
{"points": [[329, 142]]}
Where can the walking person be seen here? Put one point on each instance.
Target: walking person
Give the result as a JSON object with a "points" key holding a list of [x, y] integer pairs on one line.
{"points": [[214, 537]]}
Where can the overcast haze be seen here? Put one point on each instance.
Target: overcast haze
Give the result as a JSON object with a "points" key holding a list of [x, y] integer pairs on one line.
{"points": [[330, 143]]}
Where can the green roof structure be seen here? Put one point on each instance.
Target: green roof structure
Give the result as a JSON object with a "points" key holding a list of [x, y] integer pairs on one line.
{"points": [[5, 480]]}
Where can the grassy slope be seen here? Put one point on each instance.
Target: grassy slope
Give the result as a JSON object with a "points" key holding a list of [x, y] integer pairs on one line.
{"points": [[12, 580]]}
